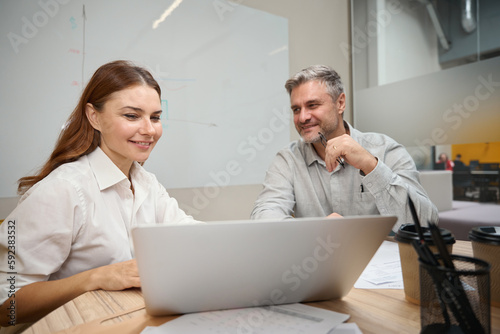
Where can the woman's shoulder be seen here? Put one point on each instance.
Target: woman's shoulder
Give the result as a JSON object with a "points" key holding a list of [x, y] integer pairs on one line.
{"points": [[76, 171], [71, 176]]}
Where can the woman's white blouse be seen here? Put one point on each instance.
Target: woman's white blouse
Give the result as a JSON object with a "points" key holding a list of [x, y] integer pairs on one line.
{"points": [[79, 217]]}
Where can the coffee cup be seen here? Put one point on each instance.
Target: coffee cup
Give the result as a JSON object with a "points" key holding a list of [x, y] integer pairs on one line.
{"points": [[486, 246], [409, 258]]}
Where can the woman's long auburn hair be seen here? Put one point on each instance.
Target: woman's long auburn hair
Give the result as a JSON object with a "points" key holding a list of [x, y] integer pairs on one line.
{"points": [[78, 137]]}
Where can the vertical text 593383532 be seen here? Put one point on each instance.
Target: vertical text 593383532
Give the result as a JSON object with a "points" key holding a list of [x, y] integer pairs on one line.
{"points": [[11, 269]]}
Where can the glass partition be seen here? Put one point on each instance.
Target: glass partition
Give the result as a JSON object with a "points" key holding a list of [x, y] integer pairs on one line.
{"points": [[427, 73]]}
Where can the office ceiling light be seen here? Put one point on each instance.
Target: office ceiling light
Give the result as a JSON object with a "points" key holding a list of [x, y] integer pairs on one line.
{"points": [[166, 13], [468, 19], [278, 50]]}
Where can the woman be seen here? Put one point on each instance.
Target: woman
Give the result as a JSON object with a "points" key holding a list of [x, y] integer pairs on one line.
{"points": [[73, 221]]}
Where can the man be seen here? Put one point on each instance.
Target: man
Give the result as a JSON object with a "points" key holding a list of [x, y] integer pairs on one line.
{"points": [[352, 173], [458, 163]]}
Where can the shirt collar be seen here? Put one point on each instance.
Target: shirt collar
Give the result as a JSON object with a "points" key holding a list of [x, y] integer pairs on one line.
{"points": [[141, 179], [310, 154], [353, 132], [106, 172]]}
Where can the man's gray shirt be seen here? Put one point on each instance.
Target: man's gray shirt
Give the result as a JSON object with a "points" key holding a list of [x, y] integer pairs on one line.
{"points": [[297, 184]]}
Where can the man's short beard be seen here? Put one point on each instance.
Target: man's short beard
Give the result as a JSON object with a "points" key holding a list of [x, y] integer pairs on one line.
{"points": [[313, 140]]}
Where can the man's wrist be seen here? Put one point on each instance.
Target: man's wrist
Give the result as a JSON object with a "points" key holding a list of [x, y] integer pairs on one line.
{"points": [[370, 167]]}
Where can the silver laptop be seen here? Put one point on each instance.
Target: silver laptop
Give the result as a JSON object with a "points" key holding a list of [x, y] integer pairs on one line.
{"points": [[235, 264]]}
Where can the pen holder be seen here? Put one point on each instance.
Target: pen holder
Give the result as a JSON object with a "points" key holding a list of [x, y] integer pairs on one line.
{"points": [[455, 300]]}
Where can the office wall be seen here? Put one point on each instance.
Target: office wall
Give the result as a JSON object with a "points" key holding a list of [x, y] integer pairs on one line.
{"points": [[317, 29], [388, 36], [398, 81], [455, 106], [482, 152]]}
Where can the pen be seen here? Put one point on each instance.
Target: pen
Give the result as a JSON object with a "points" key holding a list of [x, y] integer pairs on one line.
{"points": [[324, 141], [440, 245]]}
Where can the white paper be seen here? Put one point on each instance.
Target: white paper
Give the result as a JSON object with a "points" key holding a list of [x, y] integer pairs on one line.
{"points": [[282, 319], [384, 269]]}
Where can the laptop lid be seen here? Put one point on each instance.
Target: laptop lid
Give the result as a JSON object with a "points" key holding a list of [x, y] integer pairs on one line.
{"points": [[234, 264]]}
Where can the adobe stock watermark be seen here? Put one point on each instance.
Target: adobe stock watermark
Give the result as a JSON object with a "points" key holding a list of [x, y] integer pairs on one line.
{"points": [[30, 26], [222, 7], [454, 116], [247, 151], [293, 279], [377, 19]]}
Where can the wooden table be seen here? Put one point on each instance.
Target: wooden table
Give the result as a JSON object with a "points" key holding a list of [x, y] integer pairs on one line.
{"points": [[374, 311]]}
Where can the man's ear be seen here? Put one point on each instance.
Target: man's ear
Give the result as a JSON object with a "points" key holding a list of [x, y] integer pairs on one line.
{"points": [[92, 116], [340, 103]]}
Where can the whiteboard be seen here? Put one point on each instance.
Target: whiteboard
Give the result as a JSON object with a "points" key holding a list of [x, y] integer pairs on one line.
{"points": [[221, 67]]}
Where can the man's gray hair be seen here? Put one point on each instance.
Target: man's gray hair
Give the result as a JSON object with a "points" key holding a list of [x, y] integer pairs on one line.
{"points": [[321, 73]]}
